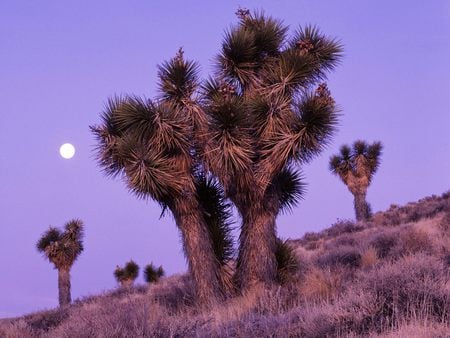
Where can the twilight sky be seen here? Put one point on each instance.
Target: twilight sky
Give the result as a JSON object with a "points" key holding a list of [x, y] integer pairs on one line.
{"points": [[61, 60]]}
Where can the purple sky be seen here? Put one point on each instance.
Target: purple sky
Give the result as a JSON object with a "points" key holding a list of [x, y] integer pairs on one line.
{"points": [[61, 60]]}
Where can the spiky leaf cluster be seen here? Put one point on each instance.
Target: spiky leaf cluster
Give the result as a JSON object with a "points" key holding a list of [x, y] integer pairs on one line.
{"points": [[286, 261], [148, 144], [62, 248], [361, 160], [217, 214], [266, 106], [153, 274], [288, 187], [128, 273]]}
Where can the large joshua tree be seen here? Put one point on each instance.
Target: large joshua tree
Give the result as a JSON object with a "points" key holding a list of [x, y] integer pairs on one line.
{"points": [[153, 146], [268, 111], [62, 248], [264, 111], [355, 167]]}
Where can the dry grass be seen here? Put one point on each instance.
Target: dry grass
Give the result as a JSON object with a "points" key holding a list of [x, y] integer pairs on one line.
{"points": [[369, 257], [368, 280]]}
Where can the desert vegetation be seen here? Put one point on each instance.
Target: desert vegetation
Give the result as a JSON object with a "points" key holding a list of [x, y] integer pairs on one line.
{"points": [[238, 140], [127, 275], [356, 166], [381, 278], [62, 248], [242, 133], [153, 274]]}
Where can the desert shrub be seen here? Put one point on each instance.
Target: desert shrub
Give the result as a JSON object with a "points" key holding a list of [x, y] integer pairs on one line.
{"points": [[444, 224], [312, 245], [416, 240], [447, 259], [385, 243], [413, 216], [392, 218], [311, 236], [340, 256], [175, 294], [411, 286], [47, 320], [320, 284], [343, 226]]}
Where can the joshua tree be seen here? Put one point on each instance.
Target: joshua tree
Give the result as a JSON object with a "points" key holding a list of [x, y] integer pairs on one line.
{"points": [[267, 110], [153, 274], [153, 146], [264, 111], [62, 249], [356, 167], [128, 274]]}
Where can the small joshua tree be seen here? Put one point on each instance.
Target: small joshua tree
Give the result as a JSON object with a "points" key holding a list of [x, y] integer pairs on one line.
{"points": [[128, 274], [355, 167], [62, 249], [153, 274]]}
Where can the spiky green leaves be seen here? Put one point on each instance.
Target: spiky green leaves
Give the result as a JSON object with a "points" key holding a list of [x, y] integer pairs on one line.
{"points": [[153, 274], [325, 52], [128, 273], [286, 261], [288, 188], [63, 248], [178, 78], [247, 46], [149, 143], [317, 118], [217, 215], [48, 238], [228, 150]]}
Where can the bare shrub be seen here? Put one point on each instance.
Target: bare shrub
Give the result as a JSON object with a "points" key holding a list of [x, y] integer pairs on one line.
{"points": [[311, 236], [312, 245], [444, 224], [47, 320], [385, 243], [174, 293], [412, 286], [345, 256], [342, 227], [415, 241]]}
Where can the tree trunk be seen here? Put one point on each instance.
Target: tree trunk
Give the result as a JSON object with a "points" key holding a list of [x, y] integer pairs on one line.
{"points": [[203, 264], [257, 261], [361, 208], [64, 286]]}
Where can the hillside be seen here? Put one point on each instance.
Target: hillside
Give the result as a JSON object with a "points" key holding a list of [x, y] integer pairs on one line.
{"points": [[389, 277]]}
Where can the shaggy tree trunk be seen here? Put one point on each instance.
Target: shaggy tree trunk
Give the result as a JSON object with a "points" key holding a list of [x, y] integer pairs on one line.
{"points": [[361, 208], [257, 261], [64, 286], [203, 264]]}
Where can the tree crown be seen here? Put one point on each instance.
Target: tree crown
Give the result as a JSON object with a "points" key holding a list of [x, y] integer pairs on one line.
{"points": [[62, 248]]}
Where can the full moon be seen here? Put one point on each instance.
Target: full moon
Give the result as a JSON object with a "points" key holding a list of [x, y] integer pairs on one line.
{"points": [[67, 150]]}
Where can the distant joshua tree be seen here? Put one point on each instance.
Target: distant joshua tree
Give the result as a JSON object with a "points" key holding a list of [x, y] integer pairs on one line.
{"points": [[128, 274], [355, 167], [153, 274], [62, 249]]}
